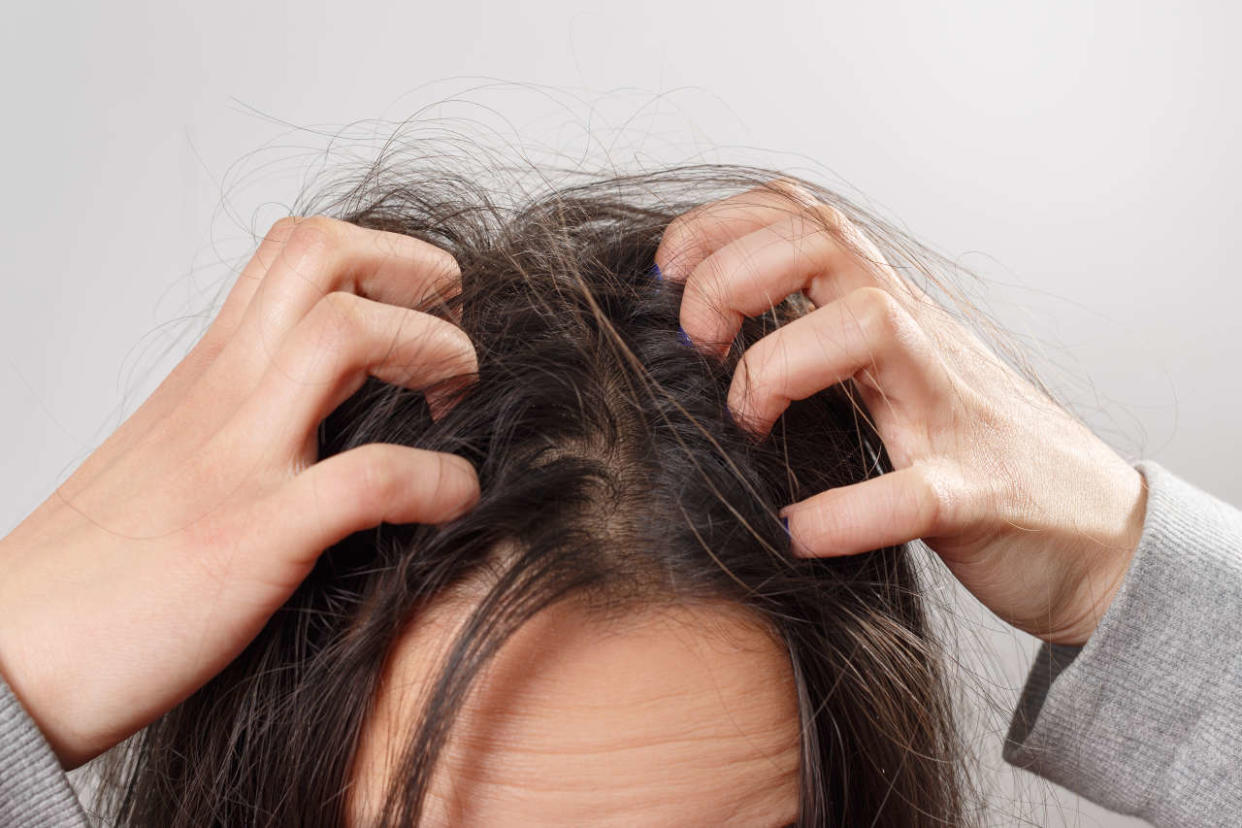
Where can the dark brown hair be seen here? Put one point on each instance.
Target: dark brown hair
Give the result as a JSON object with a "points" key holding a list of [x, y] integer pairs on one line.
{"points": [[610, 466]]}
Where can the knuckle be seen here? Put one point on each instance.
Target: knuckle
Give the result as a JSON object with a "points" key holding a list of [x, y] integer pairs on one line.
{"points": [[282, 229], [791, 188], [884, 320], [325, 226], [337, 307], [934, 501], [335, 321], [878, 313], [690, 235], [831, 216], [783, 182], [374, 481], [676, 229], [312, 237], [684, 239]]}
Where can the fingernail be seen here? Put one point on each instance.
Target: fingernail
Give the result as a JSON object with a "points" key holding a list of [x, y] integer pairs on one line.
{"points": [[785, 523], [655, 271], [681, 334]]}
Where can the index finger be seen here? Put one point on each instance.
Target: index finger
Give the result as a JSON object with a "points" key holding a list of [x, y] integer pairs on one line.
{"points": [[323, 255], [694, 235], [319, 257], [307, 258], [816, 252]]}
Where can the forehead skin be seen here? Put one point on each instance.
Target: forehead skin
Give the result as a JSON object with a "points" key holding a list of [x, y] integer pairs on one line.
{"points": [[678, 716]]}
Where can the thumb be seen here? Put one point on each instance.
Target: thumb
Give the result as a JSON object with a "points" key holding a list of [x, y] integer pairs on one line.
{"points": [[894, 508]]}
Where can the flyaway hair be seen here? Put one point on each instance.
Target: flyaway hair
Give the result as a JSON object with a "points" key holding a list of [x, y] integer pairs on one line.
{"points": [[611, 472]]}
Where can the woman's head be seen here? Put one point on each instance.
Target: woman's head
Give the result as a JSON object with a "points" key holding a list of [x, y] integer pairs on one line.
{"points": [[618, 630]]}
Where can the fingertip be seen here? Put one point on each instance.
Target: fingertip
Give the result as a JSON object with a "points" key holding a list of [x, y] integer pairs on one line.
{"points": [[743, 404], [464, 468], [707, 328], [797, 547], [783, 516], [756, 428], [667, 267], [716, 350], [466, 483]]}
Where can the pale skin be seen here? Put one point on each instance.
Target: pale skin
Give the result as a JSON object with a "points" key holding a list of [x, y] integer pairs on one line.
{"points": [[1030, 510], [678, 716], [165, 553]]}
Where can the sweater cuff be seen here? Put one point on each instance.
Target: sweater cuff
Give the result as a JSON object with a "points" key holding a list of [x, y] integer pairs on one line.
{"points": [[1141, 718], [34, 790]]}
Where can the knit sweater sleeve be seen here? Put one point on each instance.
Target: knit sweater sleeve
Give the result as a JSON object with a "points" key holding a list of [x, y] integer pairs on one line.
{"points": [[34, 791], [1146, 717]]}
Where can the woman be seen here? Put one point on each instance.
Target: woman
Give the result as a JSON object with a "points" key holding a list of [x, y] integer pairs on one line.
{"points": [[626, 528]]}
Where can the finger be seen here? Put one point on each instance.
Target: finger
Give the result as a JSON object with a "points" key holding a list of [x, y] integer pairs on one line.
{"points": [[251, 277], [867, 335], [321, 256], [694, 235], [341, 342], [894, 508], [189, 372], [318, 255], [815, 252], [368, 485]]}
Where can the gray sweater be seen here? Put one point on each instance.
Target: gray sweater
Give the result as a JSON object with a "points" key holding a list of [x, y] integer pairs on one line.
{"points": [[1145, 719]]}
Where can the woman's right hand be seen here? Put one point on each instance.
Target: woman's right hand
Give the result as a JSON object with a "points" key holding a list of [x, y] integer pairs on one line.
{"points": [[162, 556], [1032, 512]]}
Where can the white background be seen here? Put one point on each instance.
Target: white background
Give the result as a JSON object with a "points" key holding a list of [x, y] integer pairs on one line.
{"points": [[1081, 156]]}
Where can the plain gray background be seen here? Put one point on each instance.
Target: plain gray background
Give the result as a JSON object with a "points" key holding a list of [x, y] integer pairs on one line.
{"points": [[1081, 156]]}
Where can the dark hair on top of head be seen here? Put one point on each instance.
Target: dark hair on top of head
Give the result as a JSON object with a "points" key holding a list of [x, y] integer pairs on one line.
{"points": [[610, 468]]}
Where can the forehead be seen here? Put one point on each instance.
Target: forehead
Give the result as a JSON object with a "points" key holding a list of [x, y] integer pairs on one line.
{"points": [[677, 716]]}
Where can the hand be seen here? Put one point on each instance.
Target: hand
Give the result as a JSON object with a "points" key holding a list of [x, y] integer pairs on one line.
{"points": [[161, 557], [1033, 513]]}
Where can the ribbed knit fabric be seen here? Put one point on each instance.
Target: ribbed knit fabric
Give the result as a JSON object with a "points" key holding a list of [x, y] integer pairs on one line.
{"points": [[34, 791], [1146, 717]]}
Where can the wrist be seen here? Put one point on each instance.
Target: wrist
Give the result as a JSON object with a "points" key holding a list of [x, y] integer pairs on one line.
{"points": [[1105, 561], [24, 652]]}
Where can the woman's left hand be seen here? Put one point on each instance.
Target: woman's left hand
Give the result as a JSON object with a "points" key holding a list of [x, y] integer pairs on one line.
{"points": [[1033, 513]]}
